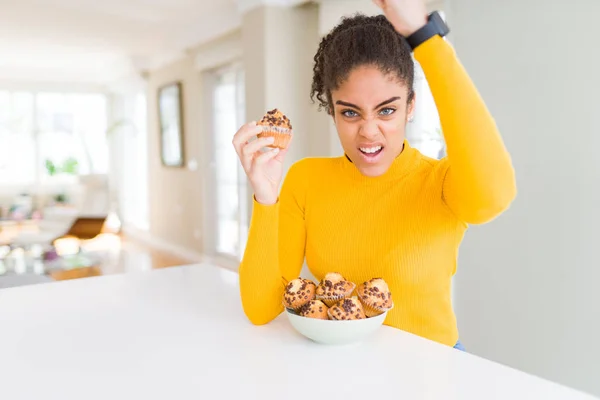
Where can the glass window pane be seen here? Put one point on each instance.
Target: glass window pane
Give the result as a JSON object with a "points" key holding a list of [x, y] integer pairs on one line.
{"points": [[17, 145], [22, 113], [5, 112], [228, 231], [48, 105], [17, 159], [90, 125], [138, 183], [227, 163], [58, 147], [228, 219], [228, 105], [72, 135], [425, 133], [4, 108]]}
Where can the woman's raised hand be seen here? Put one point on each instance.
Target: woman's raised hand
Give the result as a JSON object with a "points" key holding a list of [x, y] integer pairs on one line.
{"points": [[264, 169], [407, 16]]}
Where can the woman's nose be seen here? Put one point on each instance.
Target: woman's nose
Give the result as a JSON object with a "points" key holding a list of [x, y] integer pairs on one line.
{"points": [[369, 129]]}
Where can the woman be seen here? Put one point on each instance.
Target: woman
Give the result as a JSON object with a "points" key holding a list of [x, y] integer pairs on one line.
{"points": [[383, 209]]}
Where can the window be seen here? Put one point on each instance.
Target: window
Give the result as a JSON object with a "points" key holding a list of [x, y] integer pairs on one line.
{"points": [[425, 132], [228, 183], [17, 140], [132, 139], [72, 130], [44, 134]]}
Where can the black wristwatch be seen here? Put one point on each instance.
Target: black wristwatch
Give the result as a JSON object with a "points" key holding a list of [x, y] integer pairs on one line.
{"points": [[435, 26]]}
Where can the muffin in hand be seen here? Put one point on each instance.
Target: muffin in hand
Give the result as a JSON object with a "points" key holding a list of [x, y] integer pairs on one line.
{"points": [[375, 297], [347, 309], [314, 309], [333, 288], [275, 124], [298, 292]]}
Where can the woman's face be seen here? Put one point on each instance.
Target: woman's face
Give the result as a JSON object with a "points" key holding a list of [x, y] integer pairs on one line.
{"points": [[370, 111]]}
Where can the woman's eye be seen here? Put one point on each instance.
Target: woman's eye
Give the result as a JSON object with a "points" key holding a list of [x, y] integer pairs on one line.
{"points": [[387, 111], [349, 113]]}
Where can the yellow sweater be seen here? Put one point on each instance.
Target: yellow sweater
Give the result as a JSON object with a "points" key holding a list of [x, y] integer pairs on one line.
{"points": [[404, 226]]}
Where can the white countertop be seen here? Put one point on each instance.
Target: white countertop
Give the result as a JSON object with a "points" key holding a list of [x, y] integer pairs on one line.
{"points": [[180, 333]]}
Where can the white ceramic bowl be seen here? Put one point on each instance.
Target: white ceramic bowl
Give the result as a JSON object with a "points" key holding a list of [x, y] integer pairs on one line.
{"points": [[335, 332]]}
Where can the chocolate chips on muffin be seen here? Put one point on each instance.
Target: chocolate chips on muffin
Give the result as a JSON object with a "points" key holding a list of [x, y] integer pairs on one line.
{"points": [[375, 296], [347, 309], [333, 288], [275, 124], [314, 309], [275, 118], [298, 292], [334, 298]]}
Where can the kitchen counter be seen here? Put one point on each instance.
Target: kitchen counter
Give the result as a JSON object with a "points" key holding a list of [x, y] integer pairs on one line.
{"points": [[180, 333]]}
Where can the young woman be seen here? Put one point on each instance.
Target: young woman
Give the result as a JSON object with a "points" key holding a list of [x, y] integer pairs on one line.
{"points": [[383, 209]]}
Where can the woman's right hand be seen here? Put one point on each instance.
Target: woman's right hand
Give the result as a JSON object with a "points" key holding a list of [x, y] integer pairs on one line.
{"points": [[264, 170]]}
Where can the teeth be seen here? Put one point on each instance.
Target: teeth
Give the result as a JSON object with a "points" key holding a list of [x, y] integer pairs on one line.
{"points": [[370, 150]]}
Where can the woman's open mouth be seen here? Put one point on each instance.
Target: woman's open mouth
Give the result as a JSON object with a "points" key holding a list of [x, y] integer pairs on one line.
{"points": [[371, 154]]}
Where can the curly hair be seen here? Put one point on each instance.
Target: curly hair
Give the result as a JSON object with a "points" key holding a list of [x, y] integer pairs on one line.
{"points": [[357, 41]]}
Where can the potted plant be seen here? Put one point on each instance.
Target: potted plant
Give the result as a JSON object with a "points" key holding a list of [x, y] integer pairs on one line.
{"points": [[69, 166]]}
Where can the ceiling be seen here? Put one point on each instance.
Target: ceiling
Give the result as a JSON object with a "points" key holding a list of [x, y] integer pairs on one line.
{"points": [[98, 42]]}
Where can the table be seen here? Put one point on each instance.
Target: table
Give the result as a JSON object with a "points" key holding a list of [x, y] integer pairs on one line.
{"points": [[180, 333]]}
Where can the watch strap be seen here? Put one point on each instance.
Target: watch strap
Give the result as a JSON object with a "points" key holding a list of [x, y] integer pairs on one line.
{"points": [[435, 26]]}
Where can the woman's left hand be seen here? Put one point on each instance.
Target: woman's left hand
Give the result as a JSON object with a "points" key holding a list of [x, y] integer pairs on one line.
{"points": [[407, 16]]}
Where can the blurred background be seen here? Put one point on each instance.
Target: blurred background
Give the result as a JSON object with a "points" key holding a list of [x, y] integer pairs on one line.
{"points": [[116, 119]]}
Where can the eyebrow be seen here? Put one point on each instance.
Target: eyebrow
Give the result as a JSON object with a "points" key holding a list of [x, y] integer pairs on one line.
{"points": [[383, 103]]}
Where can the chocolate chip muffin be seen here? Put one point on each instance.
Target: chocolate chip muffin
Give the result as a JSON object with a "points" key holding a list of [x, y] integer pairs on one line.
{"points": [[375, 297], [347, 309], [333, 288], [314, 309], [275, 124], [298, 292]]}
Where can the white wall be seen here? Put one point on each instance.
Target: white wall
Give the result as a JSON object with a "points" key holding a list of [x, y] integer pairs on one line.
{"points": [[527, 289]]}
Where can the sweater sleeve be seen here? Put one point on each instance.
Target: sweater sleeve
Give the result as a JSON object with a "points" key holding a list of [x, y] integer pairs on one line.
{"points": [[274, 250], [479, 182]]}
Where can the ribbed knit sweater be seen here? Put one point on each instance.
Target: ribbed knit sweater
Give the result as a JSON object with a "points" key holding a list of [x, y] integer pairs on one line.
{"points": [[404, 226]]}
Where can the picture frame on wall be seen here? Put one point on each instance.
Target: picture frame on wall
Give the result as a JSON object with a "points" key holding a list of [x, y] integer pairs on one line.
{"points": [[170, 113]]}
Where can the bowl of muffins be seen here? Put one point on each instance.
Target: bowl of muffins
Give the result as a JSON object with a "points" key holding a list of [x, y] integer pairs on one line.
{"points": [[336, 310]]}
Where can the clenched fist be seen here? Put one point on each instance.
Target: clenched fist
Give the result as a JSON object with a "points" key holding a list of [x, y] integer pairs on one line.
{"points": [[407, 16]]}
